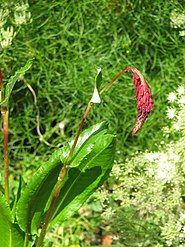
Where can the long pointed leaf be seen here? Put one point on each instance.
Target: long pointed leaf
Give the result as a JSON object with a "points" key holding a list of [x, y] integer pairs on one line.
{"points": [[32, 204], [10, 234], [83, 180]]}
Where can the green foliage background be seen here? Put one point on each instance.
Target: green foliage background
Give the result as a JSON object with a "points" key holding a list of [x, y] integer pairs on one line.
{"points": [[69, 40]]}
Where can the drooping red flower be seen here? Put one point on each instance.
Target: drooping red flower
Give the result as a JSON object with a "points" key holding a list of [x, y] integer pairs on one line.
{"points": [[144, 99]]}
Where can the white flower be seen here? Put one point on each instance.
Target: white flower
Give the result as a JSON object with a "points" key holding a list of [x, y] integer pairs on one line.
{"points": [[108, 213], [21, 14], [182, 218], [170, 113], [151, 156], [172, 97], [181, 101], [95, 98], [180, 90], [21, 18], [98, 70], [116, 171], [6, 37], [165, 165], [102, 196], [176, 125], [177, 19], [3, 16], [165, 170], [182, 33], [173, 156]]}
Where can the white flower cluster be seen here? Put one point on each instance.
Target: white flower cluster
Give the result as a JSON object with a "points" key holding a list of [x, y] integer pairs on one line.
{"points": [[6, 36], [176, 110], [21, 14], [8, 31], [178, 21], [165, 169], [152, 182], [3, 16]]}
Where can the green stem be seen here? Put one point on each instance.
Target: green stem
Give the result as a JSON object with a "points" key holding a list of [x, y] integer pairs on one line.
{"points": [[5, 114], [62, 174], [26, 239]]}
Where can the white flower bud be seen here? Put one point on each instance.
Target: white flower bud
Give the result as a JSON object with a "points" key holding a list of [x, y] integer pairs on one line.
{"points": [[95, 98]]}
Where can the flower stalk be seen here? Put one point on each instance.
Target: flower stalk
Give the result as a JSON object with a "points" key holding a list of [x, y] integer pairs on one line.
{"points": [[5, 116], [144, 105], [61, 177]]}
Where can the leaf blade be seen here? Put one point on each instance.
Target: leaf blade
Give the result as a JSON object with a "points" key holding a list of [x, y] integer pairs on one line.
{"points": [[9, 86], [10, 234], [93, 171], [29, 212]]}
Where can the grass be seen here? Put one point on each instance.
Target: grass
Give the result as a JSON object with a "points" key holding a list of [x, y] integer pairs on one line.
{"points": [[69, 40]]}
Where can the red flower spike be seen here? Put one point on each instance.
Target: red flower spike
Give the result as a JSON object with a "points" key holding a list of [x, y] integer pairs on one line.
{"points": [[144, 99]]}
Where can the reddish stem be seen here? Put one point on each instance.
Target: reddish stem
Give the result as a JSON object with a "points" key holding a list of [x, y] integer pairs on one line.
{"points": [[5, 114], [60, 181]]}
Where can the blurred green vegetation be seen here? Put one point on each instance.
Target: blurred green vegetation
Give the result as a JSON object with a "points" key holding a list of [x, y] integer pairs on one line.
{"points": [[69, 40]]}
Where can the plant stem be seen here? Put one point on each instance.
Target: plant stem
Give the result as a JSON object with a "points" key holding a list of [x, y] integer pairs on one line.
{"points": [[26, 239], [62, 174], [84, 117], [65, 167], [4, 112], [109, 84]]}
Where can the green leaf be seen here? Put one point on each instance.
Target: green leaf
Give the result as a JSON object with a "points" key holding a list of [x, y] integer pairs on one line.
{"points": [[96, 97], [86, 135], [35, 196], [11, 82], [85, 178], [17, 195], [98, 79], [34, 199], [10, 234], [4, 208]]}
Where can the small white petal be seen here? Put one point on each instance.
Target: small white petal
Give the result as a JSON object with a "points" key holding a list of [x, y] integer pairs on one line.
{"points": [[61, 125], [95, 98], [180, 90], [182, 101], [170, 113], [98, 70], [172, 97]]}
